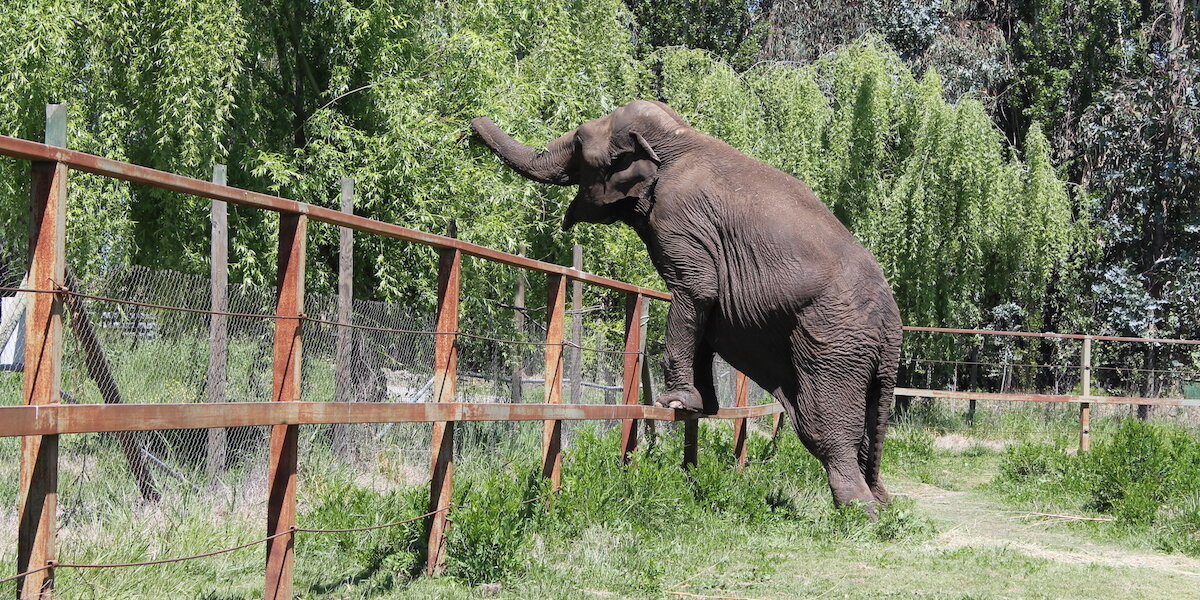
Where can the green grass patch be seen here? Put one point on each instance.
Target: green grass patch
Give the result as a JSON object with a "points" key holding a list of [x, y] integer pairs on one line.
{"points": [[1144, 474]]}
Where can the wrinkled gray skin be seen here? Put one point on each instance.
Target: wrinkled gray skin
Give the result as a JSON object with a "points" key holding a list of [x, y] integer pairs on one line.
{"points": [[761, 271]]}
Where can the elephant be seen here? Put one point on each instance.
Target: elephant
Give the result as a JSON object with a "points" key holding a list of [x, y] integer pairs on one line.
{"points": [[761, 273]]}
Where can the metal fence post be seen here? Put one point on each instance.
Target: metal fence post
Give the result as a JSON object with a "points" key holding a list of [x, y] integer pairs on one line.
{"points": [[445, 375], [632, 370], [43, 363], [344, 357], [1085, 408], [556, 295], [741, 397], [281, 494], [218, 328]]}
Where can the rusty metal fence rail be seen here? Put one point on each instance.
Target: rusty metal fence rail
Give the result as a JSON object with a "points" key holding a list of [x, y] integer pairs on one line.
{"points": [[295, 336]]}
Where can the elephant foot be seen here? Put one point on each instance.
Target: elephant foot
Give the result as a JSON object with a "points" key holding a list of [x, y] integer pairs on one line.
{"points": [[682, 400], [881, 495]]}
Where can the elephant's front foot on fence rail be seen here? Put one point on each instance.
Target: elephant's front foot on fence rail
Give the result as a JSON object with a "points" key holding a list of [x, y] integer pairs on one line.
{"points": [[682, 399]]}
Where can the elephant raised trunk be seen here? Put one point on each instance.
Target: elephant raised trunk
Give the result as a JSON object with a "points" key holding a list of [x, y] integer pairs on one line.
{"points": [[550, 166]]}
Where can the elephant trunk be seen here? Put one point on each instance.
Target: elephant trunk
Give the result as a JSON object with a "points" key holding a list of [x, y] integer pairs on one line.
{"points": [[544, 167]]}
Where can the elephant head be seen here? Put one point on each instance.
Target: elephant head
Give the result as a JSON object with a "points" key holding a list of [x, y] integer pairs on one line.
{"points": [[614, 159]]}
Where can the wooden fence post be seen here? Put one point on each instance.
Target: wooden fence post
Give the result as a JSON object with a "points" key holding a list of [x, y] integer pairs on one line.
{"points": [[741, 397], [691, 442], [556, 294], [344, 357], [518, 369], [647, 375], [43, 363], [1085, 408], [281, 494], [218, 328], [632, 370], [445, 376], [575, 355]]}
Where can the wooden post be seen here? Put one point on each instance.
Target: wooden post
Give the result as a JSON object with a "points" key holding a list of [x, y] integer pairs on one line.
{"points": [[218, 328], [691, 441], [518, 368], [973, 383], [575, 359], [43, 364], [281, 492], [445, 380], [741, 397], [101, 373], [556, 294], [632, 370], [1085, 408], [647, 375], [344, 356]]}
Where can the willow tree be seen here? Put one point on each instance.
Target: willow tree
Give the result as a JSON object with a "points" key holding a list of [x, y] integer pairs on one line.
{"points": [[296, 97], [147, 81]]}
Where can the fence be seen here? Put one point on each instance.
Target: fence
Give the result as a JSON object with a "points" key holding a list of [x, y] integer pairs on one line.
{"points": [[410, 369], [49, 412], [1014, 366]]}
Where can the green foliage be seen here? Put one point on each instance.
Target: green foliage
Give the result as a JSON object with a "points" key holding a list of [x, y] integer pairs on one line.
{"points": [[1067, 52], [298, 96], [1143, 473], [731, 29], [921, 181], [1146, 465], [501, 514], [495, 515], [382, 557]]}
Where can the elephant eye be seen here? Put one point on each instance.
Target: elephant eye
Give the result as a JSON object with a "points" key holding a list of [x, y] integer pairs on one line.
{"points": [[622, 161]]}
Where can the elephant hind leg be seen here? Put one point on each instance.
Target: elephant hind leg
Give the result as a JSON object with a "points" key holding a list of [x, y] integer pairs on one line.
{"points": [[846, 480], [828, 419]]}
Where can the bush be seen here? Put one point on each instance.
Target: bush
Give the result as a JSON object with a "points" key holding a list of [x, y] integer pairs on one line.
{"points": [[1144, 466], [1144, 474], [382, 557], [494, 516], [504, 516]]}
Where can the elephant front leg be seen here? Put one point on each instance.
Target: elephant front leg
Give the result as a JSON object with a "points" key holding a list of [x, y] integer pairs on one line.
{"points": [[686, 321]]}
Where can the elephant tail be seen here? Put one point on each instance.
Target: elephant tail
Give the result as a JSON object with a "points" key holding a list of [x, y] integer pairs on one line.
{"points": [[879, 408]]}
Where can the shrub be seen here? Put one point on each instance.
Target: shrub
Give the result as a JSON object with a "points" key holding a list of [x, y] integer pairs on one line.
{"points": [[1144, 474], [493, 520], [1143, 466], [384, 555]]}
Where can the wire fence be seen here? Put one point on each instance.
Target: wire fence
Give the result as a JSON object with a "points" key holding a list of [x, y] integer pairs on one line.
{"points": [[1036, 366], [139, 336], [153, 332]]}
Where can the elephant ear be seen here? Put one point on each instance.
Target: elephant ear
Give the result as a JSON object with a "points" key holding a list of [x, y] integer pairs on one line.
{"points": [[633, 172], [644, 146]]}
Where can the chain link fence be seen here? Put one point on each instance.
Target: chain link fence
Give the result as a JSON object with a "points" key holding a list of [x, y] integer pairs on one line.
{"points": [[141, 336], [1030, 364]]}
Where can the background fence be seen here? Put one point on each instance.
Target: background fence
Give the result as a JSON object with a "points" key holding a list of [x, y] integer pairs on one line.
{"points": [[188, 399]]}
